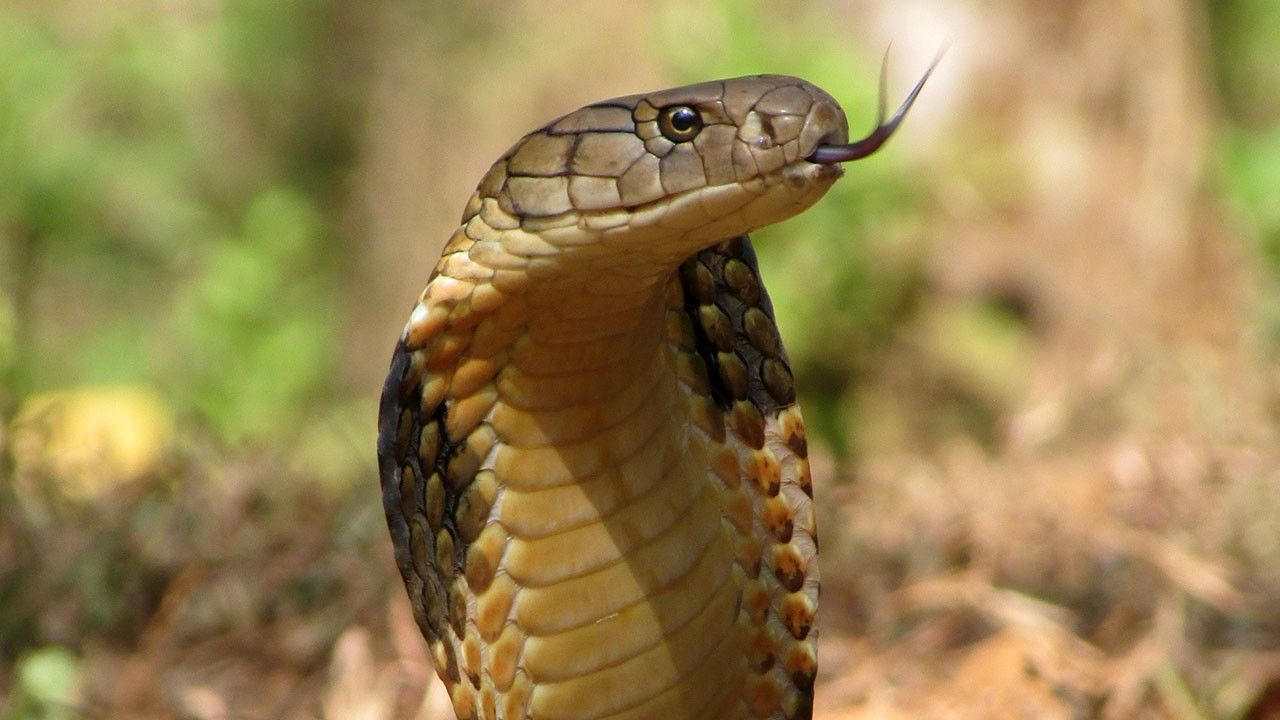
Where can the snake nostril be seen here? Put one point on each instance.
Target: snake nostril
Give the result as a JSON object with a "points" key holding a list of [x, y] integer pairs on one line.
{"points": [[768, 136]]}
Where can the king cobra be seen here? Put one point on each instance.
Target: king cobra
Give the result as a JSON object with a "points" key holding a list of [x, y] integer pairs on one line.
{"points": [[593, 467]]}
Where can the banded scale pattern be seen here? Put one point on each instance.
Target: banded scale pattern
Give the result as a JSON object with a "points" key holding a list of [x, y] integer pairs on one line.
{"points": [[726, 320], [593, 469]]}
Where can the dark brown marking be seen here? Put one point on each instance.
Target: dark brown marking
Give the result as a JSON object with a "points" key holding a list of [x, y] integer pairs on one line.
{"points": [[744, 283], [748, 423], [778, 380], [788, 567], [797, 616], [717, 326], [414, 454], [730, 311], [479, 571], [410, 499], [734, 374]]}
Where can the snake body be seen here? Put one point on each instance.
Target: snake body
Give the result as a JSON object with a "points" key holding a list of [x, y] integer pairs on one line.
{"points": [[593, 467]]}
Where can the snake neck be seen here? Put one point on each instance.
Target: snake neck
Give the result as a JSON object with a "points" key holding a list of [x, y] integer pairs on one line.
{"points": [[601, 539], [609, 505], [598, 370], [574, 319]]}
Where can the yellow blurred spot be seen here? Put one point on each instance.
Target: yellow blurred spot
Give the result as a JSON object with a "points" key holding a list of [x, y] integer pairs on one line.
{"points": [[85, 442]]}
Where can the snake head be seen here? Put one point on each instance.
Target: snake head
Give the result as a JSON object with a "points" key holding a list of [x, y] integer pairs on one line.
{"points": [[674, 171]]}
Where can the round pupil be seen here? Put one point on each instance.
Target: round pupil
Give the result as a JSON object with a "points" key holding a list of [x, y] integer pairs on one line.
{"points": [[683, 119]]}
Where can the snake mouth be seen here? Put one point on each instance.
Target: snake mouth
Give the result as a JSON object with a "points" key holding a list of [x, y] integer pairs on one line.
{"points": [[827, 153]]}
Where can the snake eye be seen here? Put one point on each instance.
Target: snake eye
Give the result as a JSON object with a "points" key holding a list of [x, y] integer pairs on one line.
{"points": [[679, 123]]}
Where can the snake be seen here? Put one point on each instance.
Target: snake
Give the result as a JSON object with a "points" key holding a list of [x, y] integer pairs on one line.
{"points": [[593, 467]]}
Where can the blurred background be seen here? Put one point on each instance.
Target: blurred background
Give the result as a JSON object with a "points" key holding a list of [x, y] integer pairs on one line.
{"points": [[1036, 340]]}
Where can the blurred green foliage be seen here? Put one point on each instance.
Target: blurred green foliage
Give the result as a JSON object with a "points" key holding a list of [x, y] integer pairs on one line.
{"points": [[171, 191], [1244, 36], [186, 181], [48, 686], [257, 319]]}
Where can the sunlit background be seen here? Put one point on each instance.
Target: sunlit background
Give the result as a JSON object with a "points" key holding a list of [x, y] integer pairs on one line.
{"points": [[1036, 340]]}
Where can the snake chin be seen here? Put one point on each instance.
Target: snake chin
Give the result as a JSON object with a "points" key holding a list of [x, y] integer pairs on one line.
{"points": [[804, 174]]}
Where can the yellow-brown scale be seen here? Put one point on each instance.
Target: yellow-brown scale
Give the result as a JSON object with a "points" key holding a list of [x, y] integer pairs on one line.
{"points": [[768, 491], [594, 471]]}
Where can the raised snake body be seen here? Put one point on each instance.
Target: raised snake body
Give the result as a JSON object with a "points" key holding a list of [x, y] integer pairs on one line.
{"points": [[592, 464]]}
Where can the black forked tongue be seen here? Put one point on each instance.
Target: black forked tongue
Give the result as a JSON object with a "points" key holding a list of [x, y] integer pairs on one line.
{"points": [[828, 154]]}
